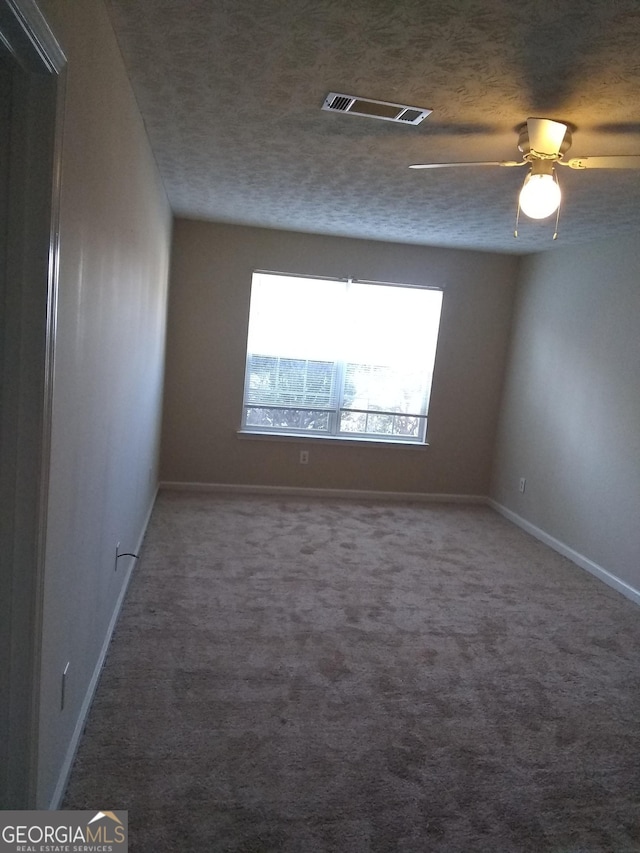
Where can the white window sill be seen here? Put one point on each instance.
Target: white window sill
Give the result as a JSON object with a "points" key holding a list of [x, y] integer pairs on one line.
{"points": [[330, 439]]}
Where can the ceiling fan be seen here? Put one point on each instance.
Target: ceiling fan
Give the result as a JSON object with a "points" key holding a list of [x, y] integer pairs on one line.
{"points": [[543, 143]]}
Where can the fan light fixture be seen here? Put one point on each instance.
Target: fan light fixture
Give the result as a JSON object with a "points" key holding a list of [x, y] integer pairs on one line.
{"points": [[543, 143], [540, 195]]}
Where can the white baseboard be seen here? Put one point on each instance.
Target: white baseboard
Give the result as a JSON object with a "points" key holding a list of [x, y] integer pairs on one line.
{"points": [[67, 764], [340, 494], [579, 559]]}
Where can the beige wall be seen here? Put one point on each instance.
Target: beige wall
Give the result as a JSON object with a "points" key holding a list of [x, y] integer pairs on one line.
{"points": [[114, 238], [209, 303], [570, 420]]}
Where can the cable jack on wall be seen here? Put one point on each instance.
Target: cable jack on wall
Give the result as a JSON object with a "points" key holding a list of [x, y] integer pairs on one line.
{"points": [[120, 554]]}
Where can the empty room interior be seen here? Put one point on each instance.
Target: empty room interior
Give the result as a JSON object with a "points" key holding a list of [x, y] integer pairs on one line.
{"points": [[321, 473]]}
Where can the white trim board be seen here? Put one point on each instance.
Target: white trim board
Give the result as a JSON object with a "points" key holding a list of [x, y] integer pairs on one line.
{"points": [[305, 492], [65, 770], [580, 560]]}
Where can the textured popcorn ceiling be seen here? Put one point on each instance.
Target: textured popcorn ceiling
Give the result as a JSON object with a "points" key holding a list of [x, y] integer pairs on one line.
{"points": [[231, 91]]}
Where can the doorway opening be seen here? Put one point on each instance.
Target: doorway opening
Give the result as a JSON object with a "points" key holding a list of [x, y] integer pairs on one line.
{"points": [[31, 94]]}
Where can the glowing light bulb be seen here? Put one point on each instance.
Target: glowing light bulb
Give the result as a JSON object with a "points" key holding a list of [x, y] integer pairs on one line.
{"points": [[539, 196]]}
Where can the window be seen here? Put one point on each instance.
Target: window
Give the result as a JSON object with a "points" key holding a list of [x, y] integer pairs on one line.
{"points": [[342, 359]]}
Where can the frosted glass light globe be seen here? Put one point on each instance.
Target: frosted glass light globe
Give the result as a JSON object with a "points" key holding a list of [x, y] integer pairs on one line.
{"points": [[539, 196]]}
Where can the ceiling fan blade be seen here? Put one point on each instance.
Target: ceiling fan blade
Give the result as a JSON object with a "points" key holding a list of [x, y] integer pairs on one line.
{"points": [[629, 161], [545, 135], [478, 163]]}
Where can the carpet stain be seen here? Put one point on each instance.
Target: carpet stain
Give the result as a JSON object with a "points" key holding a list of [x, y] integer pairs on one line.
{"points": [[334, 667]]}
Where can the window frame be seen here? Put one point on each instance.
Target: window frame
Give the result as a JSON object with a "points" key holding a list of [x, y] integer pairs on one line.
{"points": [[333, 433]]}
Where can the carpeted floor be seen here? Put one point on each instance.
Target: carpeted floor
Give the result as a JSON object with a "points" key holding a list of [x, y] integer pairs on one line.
{"points": [[315, 676]]}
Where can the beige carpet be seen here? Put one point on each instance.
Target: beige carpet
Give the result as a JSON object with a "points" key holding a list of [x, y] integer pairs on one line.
{"points": [[315, 676]]}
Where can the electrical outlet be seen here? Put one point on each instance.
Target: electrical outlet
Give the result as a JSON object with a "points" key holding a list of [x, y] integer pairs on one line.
{"points": [[523, 484], [304, 457]]}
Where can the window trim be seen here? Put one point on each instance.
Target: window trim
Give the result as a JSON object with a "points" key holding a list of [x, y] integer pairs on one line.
{"points": [[362, 439], [357, 440], [352, 278]]}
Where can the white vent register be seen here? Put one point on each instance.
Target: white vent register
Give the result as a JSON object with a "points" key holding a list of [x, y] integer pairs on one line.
{"points": [[385, 110]]}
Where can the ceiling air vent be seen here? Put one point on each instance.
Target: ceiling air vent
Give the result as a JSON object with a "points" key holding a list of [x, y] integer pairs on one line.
{"points": [[384, 110]]}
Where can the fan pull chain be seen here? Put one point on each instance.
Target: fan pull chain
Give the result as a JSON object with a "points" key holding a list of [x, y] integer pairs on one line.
{"points": [[555, 233], [515, 230]]}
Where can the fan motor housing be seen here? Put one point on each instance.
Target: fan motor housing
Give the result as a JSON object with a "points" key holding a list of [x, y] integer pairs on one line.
{"points": [[525, 146]]}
